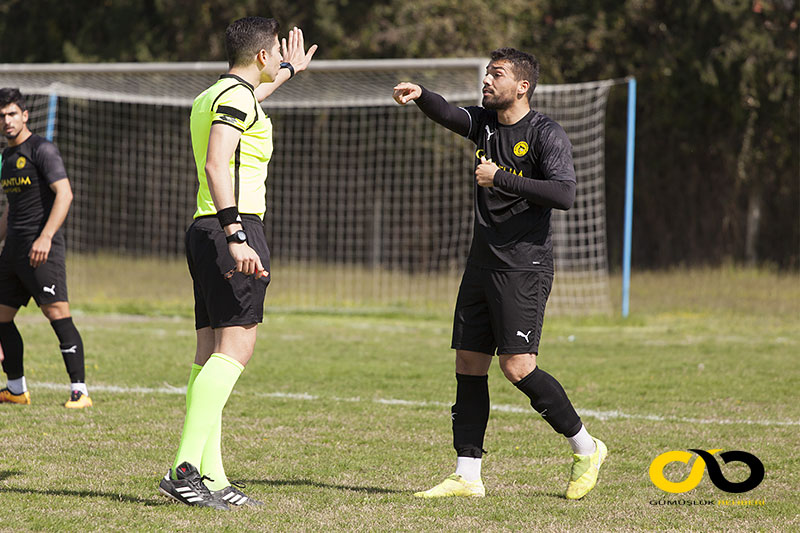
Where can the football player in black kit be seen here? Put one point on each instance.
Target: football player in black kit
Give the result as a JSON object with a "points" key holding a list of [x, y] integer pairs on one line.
{"points": [[32, 263], [523, 170]]}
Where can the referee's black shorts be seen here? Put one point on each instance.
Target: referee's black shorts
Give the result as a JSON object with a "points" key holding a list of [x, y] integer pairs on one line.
{"points": [[500, 310], [19, 281], [220, 302]]}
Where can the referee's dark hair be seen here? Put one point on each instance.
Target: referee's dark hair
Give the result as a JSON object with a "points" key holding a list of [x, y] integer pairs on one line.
{"points": [[10, 96], [245, 37], [524, 65]]}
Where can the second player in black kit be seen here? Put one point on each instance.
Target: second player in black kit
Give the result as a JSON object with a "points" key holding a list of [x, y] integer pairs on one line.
{"points": [[32, 263], [523, 170], [510, 264]]}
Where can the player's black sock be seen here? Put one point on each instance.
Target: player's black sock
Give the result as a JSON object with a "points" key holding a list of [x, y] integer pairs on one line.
{"points": [[470, 415], [11, 341], [549, 400], [71, 348]]}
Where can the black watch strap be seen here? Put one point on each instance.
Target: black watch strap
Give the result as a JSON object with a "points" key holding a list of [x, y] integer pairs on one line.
{"points": [[288, 65], [238, 236]]}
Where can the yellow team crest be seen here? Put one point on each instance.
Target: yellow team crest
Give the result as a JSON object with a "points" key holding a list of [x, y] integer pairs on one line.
{"points": [[520, 149], [21, 162]]}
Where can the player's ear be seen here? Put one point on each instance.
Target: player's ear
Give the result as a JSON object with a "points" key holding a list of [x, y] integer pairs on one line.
{"points": [[25, 116], [261, 57], [522, 88]]}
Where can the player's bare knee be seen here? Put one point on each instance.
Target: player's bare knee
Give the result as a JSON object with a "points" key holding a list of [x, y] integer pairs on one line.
{"points": [[516, 367], [472, 363], [56, 311]]}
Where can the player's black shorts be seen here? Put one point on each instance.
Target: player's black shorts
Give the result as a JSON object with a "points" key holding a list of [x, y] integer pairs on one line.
{"points": [[500, 310], [220, 302], [19, 281]]}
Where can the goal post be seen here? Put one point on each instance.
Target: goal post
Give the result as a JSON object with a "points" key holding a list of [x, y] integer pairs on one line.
{"points": [[369, 204]]}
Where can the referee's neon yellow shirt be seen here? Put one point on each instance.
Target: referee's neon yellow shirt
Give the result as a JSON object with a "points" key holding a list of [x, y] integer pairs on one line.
{"points": [[231, 101]]}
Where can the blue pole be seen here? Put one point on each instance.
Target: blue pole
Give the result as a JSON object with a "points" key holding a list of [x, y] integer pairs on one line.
{"points": [[52, 105], [626, 247]]}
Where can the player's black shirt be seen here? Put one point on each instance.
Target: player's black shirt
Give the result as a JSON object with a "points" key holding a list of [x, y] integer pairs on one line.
{"points": [[27, 172], [512, 228]]}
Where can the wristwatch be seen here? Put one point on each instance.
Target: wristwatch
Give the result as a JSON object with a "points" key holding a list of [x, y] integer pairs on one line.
{"points": [[238, 236], [288, 65]]}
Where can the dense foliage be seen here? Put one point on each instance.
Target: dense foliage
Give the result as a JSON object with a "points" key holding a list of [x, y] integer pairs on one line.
{"points": [[718, 141]]}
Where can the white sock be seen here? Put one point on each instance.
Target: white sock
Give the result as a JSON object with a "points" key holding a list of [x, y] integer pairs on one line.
{"points": [[81, 387], [17, 386], [469, 468], [582, 443]]}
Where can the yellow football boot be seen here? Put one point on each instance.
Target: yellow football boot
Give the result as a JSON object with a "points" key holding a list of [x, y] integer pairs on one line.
{"points": [[584, 471], [78, 400], [454, 485], [6, 396]]}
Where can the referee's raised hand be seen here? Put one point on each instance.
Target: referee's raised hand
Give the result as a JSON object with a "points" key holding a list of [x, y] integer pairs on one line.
{"points": [[293, 50]]}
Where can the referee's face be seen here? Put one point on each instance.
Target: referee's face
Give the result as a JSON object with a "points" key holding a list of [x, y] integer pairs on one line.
{"points": [[13, 120], [499, 85], [272, 62]]}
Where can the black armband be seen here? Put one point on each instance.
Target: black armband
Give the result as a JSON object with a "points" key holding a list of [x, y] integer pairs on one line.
{"points": [[228, 216], [288, 65]]}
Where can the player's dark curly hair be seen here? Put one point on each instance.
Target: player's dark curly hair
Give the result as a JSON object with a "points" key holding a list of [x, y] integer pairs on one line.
{"points": [[10, 96], [524, 65], [245, 37]]}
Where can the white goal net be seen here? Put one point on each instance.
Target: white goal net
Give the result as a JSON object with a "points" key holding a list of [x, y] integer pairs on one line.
{"points": [[369, 204]]}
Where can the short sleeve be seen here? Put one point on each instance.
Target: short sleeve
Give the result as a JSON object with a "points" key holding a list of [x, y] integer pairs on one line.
{"points": [[49, 163], [556, 154], [235, 107]]}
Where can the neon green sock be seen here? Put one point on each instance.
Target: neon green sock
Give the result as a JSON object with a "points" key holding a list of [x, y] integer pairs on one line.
{"points": [[209, 394], [192, 376], [211, 463]]}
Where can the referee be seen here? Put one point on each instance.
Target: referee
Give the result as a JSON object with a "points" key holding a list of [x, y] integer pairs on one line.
{"points": [[226, 247], [523, 170], [32, 263]]}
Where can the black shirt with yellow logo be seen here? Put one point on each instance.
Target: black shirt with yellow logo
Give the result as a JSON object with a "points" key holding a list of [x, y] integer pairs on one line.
{"points": [[512, 228], [27, 172]]}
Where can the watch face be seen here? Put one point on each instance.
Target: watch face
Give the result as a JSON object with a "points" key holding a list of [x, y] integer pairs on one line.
{"points": [[238, 236]]}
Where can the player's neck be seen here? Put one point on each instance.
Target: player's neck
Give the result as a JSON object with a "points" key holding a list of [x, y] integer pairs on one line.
{"points": [[249, 74], [514, 113], [21, 138]]}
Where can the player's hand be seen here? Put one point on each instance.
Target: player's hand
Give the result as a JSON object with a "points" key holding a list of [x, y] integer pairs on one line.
{"points": [[294, 50], [405, 92], [484, 173], [247, 260], [40, 250]]}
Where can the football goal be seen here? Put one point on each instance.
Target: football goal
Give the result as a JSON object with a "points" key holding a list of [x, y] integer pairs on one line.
{"points": [[369, 204]]}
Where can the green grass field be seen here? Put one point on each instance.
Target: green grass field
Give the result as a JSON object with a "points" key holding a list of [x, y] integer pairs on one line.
{"points": [[339, 418]]}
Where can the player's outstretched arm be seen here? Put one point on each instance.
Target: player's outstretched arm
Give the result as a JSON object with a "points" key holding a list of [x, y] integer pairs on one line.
{"points": [[293, 52], [434, 106]]}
